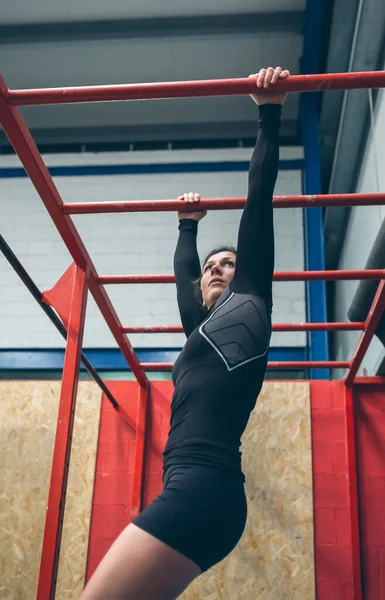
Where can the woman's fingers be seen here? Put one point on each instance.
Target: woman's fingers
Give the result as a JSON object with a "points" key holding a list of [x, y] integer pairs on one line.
{"points": [[269, 76], [276, 74], [261, 78], [190, 197]]}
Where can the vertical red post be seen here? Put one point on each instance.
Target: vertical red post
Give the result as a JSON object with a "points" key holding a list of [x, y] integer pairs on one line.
{"points": [[353, 493], [63, 440], [140, 443]]}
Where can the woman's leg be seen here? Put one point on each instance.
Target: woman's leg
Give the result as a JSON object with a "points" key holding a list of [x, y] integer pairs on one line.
{"points": [[138, 566]]}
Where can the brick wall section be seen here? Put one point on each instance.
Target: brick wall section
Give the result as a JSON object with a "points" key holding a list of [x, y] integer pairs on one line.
{"points": [[111, 510], [331, 493], [370, 438]]}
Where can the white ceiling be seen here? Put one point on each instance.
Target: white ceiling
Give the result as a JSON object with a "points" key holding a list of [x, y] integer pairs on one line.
{"points": [[145, 60], [47, 11], [129, 59]]}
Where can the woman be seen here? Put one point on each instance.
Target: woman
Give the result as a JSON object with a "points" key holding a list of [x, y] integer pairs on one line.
{"points": [[201, 513]]}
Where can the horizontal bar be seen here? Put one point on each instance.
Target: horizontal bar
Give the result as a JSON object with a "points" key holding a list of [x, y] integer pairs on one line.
{"points": [[193, 89], [370, 380], [236, 203], [275, 327], [111, 359], [279, 276], [288, 365]]}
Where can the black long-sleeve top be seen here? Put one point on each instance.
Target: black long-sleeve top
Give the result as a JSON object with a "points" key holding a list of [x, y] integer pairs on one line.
{"points": [[220, 371]]}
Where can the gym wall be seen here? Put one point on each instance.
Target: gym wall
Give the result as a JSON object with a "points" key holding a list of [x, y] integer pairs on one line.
{"points": [[298, 538], [362, 228], [133, 243]]}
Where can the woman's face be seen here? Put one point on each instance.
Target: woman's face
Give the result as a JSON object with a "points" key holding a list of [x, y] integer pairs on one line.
{"points": [[217, 273]]}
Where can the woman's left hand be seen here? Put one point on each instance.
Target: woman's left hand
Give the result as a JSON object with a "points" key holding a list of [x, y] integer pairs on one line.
{"points": [[265, 79]]}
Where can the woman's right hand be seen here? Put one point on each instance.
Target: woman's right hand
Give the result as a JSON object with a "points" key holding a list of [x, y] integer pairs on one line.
{"points": [[193, 200]]}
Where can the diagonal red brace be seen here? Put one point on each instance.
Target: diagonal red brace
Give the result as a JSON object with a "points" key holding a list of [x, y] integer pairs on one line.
{"points": [[375, 313], [23, 144]]}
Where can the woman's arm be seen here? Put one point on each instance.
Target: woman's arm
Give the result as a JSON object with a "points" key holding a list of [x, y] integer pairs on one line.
{"points": [[255, 250], [187, 267]]}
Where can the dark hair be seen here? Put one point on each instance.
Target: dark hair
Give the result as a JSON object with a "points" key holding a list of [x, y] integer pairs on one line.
{"points": [[197, 282]]}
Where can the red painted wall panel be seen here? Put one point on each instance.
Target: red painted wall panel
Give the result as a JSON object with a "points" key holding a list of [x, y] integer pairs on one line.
{"points": [[332, 534], [111, 510], [370, 439], [332, 524]]}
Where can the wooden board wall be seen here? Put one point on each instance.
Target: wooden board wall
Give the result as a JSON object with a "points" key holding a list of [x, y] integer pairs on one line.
{"points": [[28, 414], [274, 559]]}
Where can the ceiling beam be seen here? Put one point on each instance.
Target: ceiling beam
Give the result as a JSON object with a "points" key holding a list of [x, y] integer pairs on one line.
{"points": [[154, 133], [257, 23]]}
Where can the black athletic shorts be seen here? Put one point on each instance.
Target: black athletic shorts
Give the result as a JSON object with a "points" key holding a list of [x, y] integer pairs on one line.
{"points": [[201, 513]]}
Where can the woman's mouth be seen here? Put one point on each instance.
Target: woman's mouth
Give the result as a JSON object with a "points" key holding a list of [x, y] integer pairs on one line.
{"points": [[215, 282]]}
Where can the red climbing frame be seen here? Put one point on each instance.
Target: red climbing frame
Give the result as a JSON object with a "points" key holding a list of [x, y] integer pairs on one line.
{"points": [[83, 276]]}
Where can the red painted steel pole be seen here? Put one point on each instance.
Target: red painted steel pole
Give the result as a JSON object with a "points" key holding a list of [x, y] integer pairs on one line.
{"points": [[275, 327], [24, 146], [279, 276], [288, 365], [140, 447], [236, 203], [354, 544], [63, 440], [191, 89], [375, 313]]}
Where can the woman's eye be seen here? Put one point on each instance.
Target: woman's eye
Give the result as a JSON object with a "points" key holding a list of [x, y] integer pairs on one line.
{"points": [[230, 262]]}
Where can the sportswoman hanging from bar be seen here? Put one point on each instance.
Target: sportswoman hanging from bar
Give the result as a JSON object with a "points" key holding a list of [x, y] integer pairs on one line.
{"points": [[225, 309]]}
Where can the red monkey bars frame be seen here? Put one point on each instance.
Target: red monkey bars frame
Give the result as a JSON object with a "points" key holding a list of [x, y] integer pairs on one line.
{"points": [[83, 276]]}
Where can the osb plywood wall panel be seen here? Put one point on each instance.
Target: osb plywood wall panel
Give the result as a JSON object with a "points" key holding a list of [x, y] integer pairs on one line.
{"points": [[28, 413], [274, 559]]}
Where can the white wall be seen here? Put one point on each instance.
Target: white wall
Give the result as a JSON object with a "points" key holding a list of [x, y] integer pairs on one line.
{"points": [[362, 229], [132, 243]]}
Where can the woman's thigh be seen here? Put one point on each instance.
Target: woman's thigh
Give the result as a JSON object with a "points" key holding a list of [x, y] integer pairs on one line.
{"points": [[139, 566]]}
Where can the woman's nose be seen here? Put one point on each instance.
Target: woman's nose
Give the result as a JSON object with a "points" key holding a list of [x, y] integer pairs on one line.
{"points": [[216, 269]]}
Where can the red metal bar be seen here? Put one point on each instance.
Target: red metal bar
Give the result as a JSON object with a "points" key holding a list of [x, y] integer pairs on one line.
{"points": [[288, 365], [375, 313], [189, 89], [354, 544], [275, 327], [236, 203], [279, 276], [375, 380], [140, 442], [23, 144], [63, 440], [156, 329], [115, 279]]}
